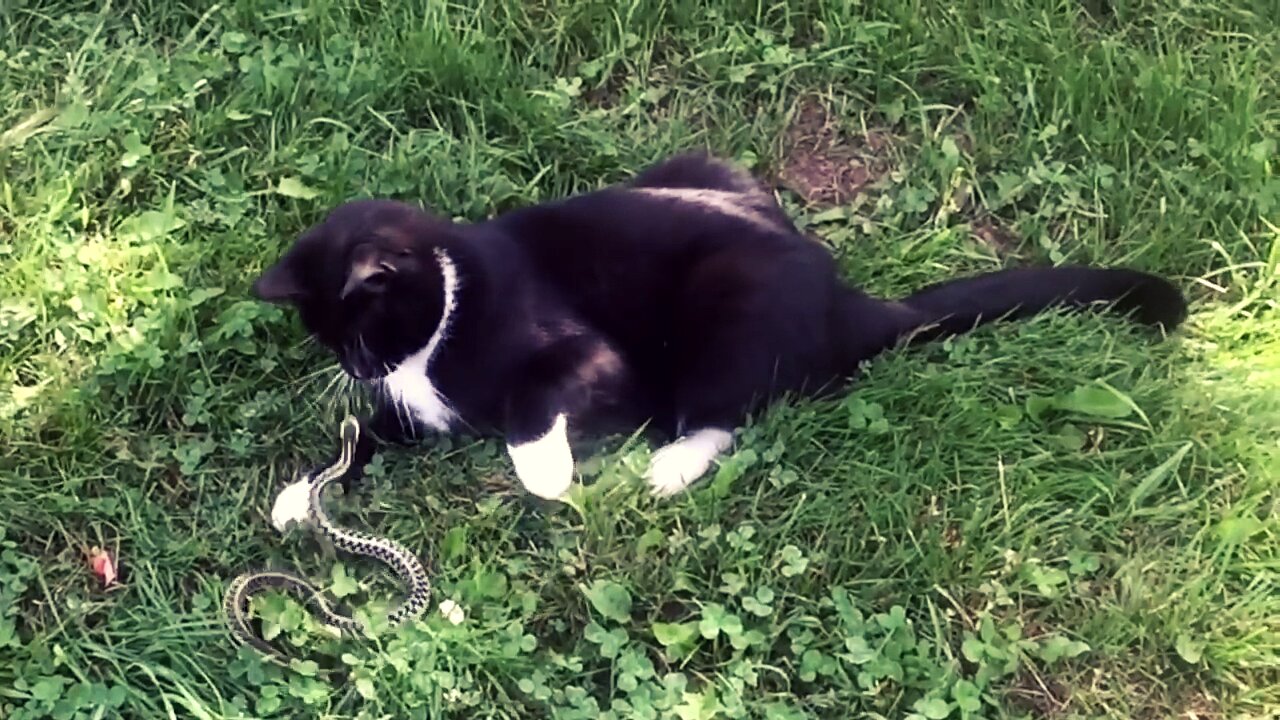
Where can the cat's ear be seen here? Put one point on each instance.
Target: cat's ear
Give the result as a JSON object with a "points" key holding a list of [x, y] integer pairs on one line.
{"points": [[370, 269], [280, 283]]}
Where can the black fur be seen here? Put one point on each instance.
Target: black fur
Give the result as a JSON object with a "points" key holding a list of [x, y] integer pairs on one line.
{"points": [[627, 305]]}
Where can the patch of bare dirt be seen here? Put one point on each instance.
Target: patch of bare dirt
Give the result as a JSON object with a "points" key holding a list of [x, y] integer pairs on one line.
{"points": [[826, 165], [993, 233], [1138, 695], [1198, 706], [607, 94], [1042, 697], [1185, 704]]}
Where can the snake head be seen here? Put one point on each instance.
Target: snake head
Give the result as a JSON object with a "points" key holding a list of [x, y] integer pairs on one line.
{"points": [[350, 432]]}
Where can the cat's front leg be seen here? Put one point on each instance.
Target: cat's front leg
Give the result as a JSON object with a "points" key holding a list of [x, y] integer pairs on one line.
{"points": [[537, 436], [546, 393], [544, 464]]}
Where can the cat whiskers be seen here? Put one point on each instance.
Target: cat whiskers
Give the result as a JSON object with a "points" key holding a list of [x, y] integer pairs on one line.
{"points": [[349, 394], [404, 416], [334, 380], [309, 377], [334, 390]]}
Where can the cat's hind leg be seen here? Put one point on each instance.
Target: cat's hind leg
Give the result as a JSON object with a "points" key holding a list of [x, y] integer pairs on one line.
{"points": [[750, 325], [674, 466], [716, 381]]}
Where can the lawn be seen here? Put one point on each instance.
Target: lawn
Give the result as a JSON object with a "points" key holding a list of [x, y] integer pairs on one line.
{"points": [[1061, 518]]}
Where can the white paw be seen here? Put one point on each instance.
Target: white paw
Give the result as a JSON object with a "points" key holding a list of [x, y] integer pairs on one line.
{"points": [[674, 467], [545, 466], [292, 505]]}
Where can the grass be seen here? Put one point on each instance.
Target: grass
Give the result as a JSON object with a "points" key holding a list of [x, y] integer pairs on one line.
{"points": [[1062, 518]]}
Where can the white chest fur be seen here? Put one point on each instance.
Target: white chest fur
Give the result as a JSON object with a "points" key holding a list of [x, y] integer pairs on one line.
{"points": [[409, 385], [411, 388]]}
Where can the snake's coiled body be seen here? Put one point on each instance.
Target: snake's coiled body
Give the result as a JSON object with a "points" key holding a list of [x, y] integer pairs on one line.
{"points": [[403, 562]]}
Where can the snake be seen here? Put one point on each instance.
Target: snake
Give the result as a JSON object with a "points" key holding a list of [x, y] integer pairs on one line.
{"points": [[404, 563]]}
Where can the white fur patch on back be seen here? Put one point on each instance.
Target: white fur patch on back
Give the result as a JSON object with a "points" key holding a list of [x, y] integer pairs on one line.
{"points": [[734, 204], [673, 467], [409, 385], [545, 466]]}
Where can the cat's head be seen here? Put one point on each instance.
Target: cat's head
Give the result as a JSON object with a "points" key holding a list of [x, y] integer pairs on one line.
{"points": [[367, 282]]}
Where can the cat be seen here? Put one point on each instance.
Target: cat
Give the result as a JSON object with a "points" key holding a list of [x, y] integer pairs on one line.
{"points": [[682, 300]]}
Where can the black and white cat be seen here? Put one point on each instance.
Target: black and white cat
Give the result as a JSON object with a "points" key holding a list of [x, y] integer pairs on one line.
{"points": [[684, 299]]}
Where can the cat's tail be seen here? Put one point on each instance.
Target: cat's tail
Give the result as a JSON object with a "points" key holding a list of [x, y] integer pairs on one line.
{"points": [[958, 306]]}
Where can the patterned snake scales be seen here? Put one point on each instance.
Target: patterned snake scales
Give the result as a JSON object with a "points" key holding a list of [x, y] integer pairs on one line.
{"points": [[405, 564]]}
